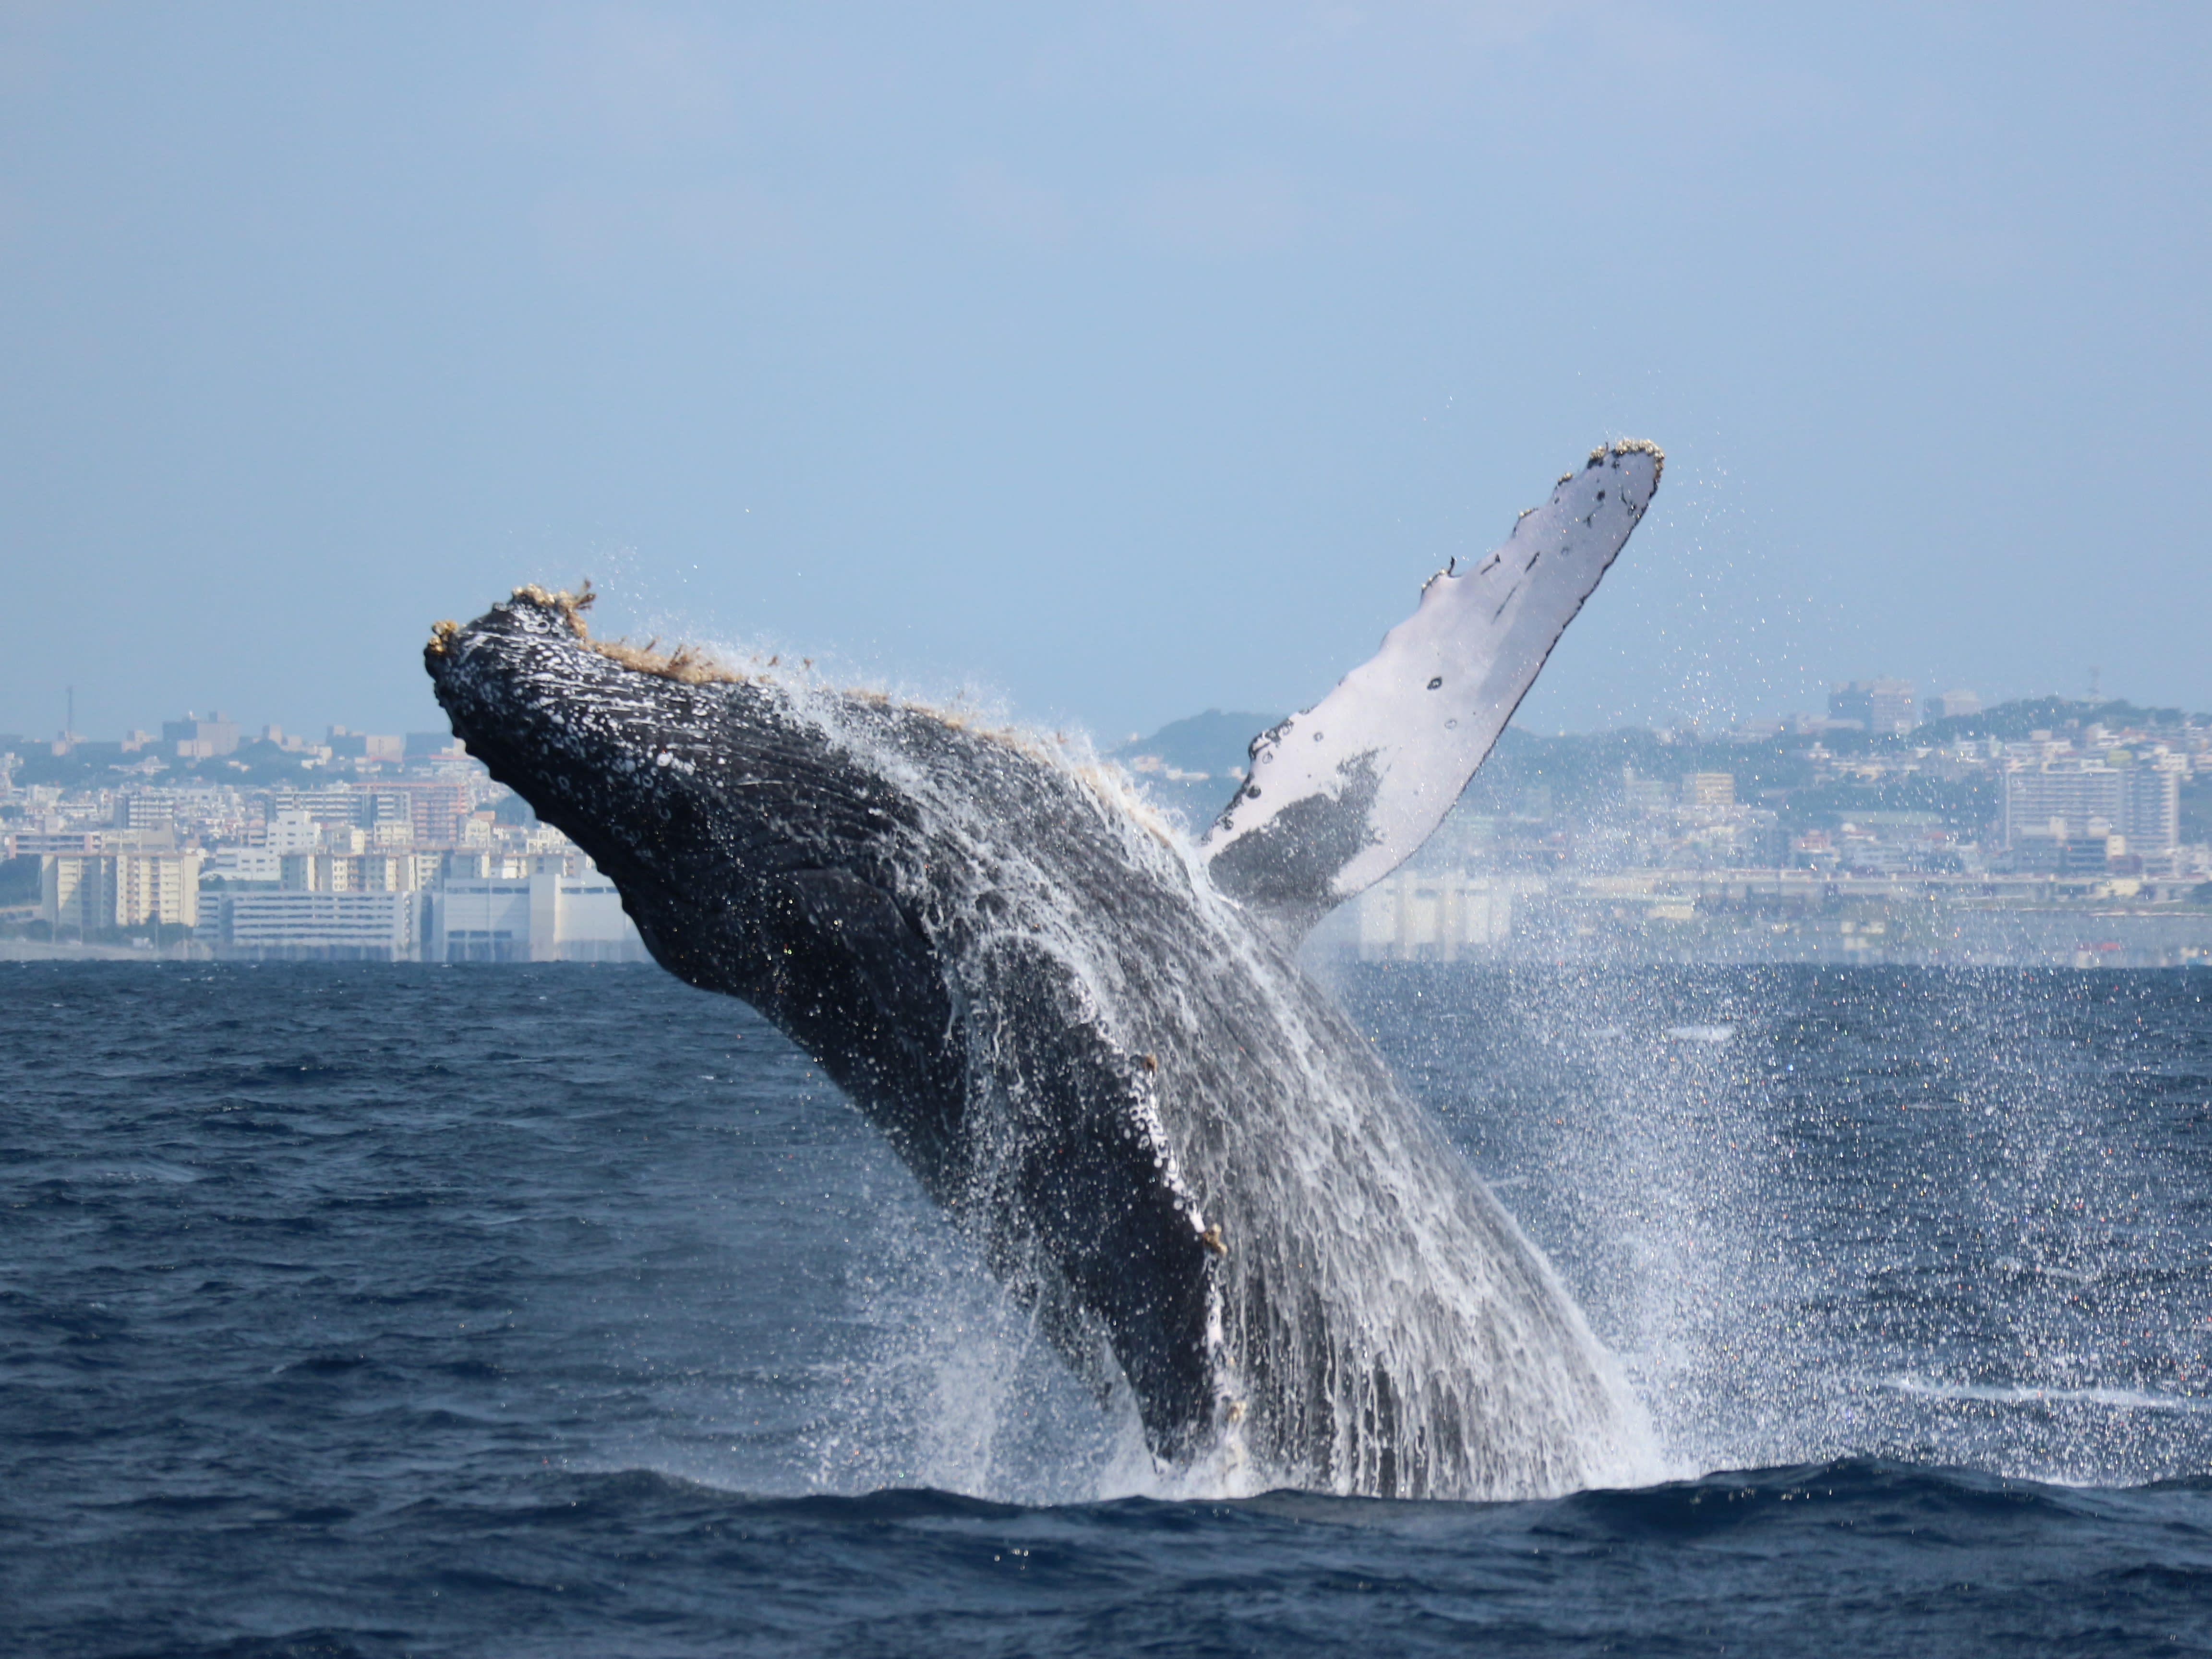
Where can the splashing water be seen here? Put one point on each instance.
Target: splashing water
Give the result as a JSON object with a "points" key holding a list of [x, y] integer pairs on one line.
{"points": [[1948, 1216], [1941, 1217], [1382, 1326]]}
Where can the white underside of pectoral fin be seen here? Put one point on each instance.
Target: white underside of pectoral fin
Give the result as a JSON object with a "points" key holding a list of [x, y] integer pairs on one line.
{"points": [[1340, 795]]}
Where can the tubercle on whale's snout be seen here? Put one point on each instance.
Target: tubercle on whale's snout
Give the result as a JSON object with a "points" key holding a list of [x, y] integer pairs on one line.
{"points": [[687, 665], [692, 665], [522, 687], [569, 607]]}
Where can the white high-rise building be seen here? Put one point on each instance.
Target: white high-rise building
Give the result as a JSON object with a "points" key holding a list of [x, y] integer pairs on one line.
{"points": [[95, 892], [2082, 800]]}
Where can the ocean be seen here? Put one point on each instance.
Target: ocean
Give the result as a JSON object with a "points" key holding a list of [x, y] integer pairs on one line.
{"points": [[564, 1310]]}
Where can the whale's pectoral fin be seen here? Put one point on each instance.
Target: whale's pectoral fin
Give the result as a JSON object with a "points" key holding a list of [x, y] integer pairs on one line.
{"points": [[1340, 795]]}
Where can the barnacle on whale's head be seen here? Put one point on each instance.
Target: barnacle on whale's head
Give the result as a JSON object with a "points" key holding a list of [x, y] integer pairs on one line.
{"points": [[689, 665]]}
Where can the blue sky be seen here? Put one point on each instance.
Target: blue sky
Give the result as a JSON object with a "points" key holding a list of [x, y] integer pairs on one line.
{"points": [[1118, 362]]}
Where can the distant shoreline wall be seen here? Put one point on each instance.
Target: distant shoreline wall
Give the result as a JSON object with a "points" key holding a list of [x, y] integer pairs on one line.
{"points": [[1655, 917]]}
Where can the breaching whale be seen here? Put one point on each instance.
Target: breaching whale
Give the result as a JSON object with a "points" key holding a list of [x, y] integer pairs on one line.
{"points": [[1088, 1036]]}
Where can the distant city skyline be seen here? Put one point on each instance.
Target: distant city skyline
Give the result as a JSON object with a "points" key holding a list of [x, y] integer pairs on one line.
{"points": [[141, 734], [1991, 836]]}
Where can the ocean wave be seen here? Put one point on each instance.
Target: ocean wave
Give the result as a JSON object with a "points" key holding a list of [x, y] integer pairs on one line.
{"points": [[2030, 1395]]}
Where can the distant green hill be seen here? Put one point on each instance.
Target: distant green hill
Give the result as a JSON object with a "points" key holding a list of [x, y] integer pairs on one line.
{"points": [[1214, 743], [1568, 778], [2013, 720], [1212, 750]]}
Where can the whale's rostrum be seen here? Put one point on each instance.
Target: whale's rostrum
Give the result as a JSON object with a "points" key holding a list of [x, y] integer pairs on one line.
{"points": [[1088, 1038]]}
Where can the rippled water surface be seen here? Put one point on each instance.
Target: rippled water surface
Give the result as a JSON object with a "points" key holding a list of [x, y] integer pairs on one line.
{"points": [[380, 1312]]}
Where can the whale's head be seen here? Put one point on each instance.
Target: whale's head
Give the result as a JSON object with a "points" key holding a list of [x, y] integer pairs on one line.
{"points": [[757, 854], [615, 746]]}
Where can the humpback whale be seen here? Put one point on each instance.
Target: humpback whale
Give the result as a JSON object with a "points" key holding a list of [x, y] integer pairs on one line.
{"points": [[1088, 1036]]}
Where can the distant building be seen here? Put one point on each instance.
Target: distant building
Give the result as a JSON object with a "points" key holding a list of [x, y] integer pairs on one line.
{"points": [[98, 892], [437, 808], [145, 808], [433, 809], [2153, 825], [366, 745], [2076, 800], [1644, 794], [433, 745], [157, 887], [1410, 917], [1880, 706], [291, 830], [1955, 705], [260, 925], [334, 803], [291, 743], [2043, 855], [1708, 789], [194, 739], [41, 843], [544, 917], [244, 864]]}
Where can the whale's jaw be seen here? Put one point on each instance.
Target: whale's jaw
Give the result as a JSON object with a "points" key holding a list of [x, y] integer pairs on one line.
{"points": [[756, 858]]}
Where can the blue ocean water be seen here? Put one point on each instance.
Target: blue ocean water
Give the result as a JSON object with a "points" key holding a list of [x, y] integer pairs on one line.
{"points": [[567, 1311]]}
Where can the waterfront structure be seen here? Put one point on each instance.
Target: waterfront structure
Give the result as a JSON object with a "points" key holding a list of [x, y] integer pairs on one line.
{"points": [[263, 924], [2108, 808], [1418, 917], [541, 915], [546, 916]]}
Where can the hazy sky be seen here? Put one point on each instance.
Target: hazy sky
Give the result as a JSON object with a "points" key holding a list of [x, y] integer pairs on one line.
{"points": [[1119, 360]]}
